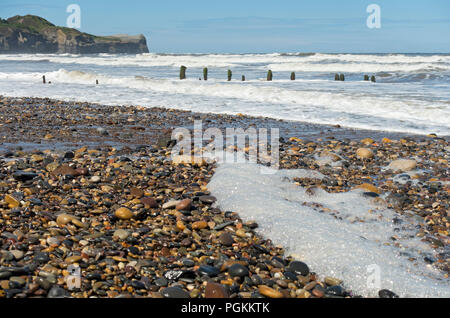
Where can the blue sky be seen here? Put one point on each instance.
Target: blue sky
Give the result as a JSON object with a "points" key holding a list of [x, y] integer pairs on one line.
{"points": [[260, 26]]}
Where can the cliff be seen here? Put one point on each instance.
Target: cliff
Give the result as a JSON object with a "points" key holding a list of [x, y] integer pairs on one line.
{"points": [[33, 34]]}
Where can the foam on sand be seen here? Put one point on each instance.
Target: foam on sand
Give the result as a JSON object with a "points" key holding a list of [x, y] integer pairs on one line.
{"points": [[344, 242]]}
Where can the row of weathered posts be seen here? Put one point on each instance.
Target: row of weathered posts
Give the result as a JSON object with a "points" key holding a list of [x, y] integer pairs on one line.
{"points": [[341, 77], [338, 77]]}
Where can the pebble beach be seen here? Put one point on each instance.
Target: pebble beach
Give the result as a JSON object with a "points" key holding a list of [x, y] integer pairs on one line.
{"points": [[94, 186]]}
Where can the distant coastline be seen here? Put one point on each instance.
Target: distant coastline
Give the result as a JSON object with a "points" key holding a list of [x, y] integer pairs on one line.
{"points": [[32, 34]]}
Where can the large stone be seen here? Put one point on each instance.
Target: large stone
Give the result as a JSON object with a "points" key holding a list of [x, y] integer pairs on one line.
{"points": [[364, 153], [64, 219], [298, 268], [123, 213], [238, 270], [184, 205], [402, 165]]}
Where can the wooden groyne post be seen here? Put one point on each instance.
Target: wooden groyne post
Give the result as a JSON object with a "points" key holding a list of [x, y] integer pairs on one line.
{"points": [[205, 74], [243, 78], [269, 76], [43, 79], [293, 76], [373, 79], [183, 72], [230, 75]]}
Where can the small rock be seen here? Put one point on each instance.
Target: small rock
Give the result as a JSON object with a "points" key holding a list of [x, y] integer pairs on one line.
{"points": [[136, 192], [184, 205], [174, 292], [12, 201], [269, 292], [199, 225], [72, 259], [123, 213], [149, 202], [208, 271], [384, 293], [226, 239], [330, 281], [208, 199], [95, 179], [238, 270], [57, 292], [402, 165], [64, 219], [18, 281], [318, 291], [214, 290], [24, 176], [364, 153], [121, 234], [17, 254], [369, 188], [298, 268], [170, 204]]}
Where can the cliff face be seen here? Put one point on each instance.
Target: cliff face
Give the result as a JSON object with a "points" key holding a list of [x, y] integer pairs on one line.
{"points": [[32, 34]]}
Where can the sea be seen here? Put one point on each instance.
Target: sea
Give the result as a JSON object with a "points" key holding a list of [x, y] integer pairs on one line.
{"points": [[411, 93]]}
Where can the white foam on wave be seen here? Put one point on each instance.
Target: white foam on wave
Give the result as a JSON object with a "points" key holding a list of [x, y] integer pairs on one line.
{"points": [[280, 100], [275, 61], [346, 247]]}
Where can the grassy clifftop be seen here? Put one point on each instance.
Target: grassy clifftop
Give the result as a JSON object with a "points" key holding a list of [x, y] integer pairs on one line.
{"points": [[33, 34]]}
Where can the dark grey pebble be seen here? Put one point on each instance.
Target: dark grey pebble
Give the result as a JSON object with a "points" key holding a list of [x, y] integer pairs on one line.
{"points": [[257, 280], [58, 292], [43, 283], [208, 271], [138, 285], [237, 270], [223, 225], [94, 276], [24, 176], [290, 276], [174, 292], [208, 199], [384, 293], [335, 291], [161, 282], [188, 262], [41, 257], [298, 268]]}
